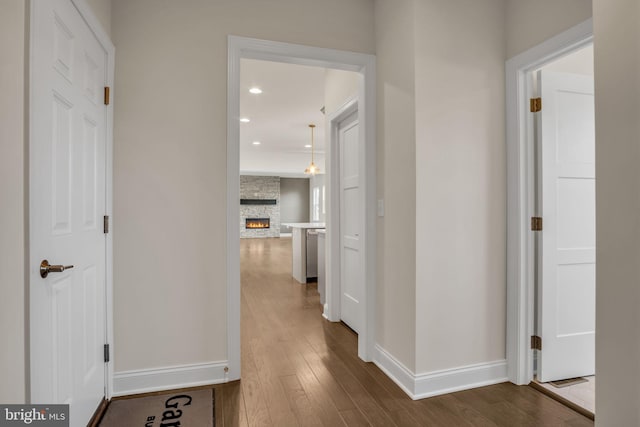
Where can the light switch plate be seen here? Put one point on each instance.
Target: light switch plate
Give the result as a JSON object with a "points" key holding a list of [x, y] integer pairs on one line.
{"points": [[380, 207]]}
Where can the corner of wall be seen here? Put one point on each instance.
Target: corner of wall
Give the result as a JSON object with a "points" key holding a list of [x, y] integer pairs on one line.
{"points": [[420, 386], [396, 141]]}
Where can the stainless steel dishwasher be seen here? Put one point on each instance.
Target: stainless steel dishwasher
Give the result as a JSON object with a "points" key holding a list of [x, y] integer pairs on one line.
{"points": [[312, 254]]}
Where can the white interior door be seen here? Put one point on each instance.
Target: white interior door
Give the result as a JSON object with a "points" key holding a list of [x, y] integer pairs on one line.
{"points": [[67, 204], [568, 260], [351, 283]]}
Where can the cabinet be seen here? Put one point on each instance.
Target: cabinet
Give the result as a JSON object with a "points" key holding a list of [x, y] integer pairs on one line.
{"points": [[300, 249]]}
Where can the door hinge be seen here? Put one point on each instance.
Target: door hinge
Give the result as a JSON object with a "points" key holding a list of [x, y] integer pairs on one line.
{"points": [[535, 104], [536, 342], [105, 224], [106, 95], [106, 353], [536, 223]]}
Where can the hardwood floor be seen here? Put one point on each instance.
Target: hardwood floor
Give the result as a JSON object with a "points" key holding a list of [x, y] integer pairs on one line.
{"points": [[300, 370]]}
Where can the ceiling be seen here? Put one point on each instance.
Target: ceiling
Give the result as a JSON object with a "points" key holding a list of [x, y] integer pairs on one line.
{"points": [[291, 99]]}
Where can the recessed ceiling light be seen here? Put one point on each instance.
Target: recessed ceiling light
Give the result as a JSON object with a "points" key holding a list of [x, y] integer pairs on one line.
{"points": [[307, 146], [245, 120], [256, 142], [255, 90]]}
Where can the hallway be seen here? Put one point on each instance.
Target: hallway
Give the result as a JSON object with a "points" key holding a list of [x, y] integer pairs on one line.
{"points": [[299, 369]]}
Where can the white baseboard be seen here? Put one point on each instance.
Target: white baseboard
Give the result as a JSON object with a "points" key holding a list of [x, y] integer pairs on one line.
{"points": [[419, 386], [172, 377], [395, 370]]}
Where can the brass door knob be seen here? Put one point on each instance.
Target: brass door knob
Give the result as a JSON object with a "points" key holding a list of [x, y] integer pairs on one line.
{"points": [[46, 268]]}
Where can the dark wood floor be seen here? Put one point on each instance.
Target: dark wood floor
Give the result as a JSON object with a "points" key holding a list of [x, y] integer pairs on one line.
{"points": [[298, 369]]}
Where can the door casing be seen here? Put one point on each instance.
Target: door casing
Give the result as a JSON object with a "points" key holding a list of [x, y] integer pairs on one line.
{"points": [[103, 38], [240, 48], [332, 309], [521, 202]]}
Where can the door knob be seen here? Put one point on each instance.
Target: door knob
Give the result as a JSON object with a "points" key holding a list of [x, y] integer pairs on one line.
{"points": [[46, 268]]}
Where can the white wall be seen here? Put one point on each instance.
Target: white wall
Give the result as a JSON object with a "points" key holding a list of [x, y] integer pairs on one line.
{"points": [[339, 86], [530, 22], [396, 136], [12, 197], [170, 173], [158, 43], [460, 222], [617, 102], [294, 201], [102, 10], [442, 174], [170, 163]]}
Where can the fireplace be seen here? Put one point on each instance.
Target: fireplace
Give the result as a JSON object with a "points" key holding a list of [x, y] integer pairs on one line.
{"points": [[257, 223]]}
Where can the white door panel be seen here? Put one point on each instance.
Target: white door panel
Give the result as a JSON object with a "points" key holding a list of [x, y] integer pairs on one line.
{"points": [[351, 307], [67, 202], [567, 171]]}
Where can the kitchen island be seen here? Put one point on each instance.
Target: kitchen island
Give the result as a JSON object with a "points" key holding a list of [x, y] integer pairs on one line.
{"points": [[304, 250]]}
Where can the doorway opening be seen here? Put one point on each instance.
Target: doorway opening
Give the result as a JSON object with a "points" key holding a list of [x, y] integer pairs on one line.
{"points": [[282, 128], [551, 269], [565, 249], [241, 49]]}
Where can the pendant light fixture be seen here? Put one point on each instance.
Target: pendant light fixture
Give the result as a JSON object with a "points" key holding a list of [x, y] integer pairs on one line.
{"points": [[312, 169]]}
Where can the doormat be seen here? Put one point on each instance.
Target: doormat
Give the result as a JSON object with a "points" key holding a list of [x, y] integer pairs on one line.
{"points": [[186, 408], [568, 382]]}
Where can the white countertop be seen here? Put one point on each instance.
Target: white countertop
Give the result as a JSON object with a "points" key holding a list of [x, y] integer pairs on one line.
{"points": [[304, 224]]}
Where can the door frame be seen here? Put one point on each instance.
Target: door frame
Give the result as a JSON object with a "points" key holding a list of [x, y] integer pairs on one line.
{"points": [[364, 64], [105, 41], [333, 287], [521, 200]]}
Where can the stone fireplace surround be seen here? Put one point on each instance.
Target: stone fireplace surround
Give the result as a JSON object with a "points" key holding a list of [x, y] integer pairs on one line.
{"points": [[260, 187]]}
